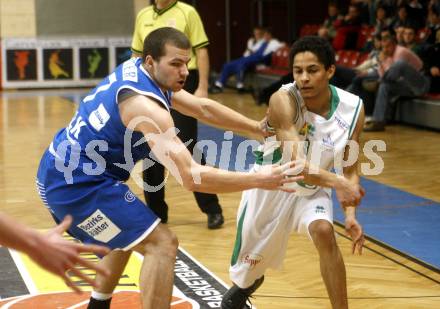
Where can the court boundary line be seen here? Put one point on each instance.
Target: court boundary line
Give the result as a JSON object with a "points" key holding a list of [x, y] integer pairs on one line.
{"points": [[396, 251]]}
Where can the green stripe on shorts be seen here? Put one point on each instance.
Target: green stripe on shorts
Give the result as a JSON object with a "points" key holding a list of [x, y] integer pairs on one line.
{"points": [[237, 246]]}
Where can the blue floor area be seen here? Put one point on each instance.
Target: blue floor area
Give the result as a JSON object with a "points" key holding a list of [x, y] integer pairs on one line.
{"points": [[406, 222]]}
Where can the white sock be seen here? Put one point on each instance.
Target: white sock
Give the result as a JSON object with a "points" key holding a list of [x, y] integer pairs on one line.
{"points": [[240, 85], [218, 84], [101, 296]]}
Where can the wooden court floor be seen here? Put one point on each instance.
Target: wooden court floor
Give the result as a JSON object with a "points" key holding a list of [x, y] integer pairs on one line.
{"points": [[377, 279]]}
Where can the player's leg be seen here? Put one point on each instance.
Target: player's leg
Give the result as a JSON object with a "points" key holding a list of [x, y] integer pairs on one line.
{"points": [[315, 218], [157, 273], [115, 262], [262, 221], [330, 261]]}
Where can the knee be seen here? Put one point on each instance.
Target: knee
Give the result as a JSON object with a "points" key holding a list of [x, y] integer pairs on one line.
{"points": [[322, 234], [163, 243]]}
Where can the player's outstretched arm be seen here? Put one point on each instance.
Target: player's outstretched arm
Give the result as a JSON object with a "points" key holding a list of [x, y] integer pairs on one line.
{"points": [[352, 226], [213, 113], [51, 251], [145, 115]]}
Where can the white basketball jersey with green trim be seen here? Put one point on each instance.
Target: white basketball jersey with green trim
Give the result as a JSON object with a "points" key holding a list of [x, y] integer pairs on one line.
{"points": [[324, 139]]}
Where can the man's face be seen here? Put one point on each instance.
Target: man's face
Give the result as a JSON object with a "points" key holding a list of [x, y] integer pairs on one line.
{"points": [[353, 12], [409, 35], [258, 34], [399, 34], [171, 70], [332, 10], [388, 45], [310, 75]]}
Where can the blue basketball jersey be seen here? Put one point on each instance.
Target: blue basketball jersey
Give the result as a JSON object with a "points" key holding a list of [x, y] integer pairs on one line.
{"points": [[96, 142]]}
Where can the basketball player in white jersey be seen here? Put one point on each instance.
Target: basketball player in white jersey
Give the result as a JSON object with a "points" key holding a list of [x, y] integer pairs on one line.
{"points": [[314, 120]]}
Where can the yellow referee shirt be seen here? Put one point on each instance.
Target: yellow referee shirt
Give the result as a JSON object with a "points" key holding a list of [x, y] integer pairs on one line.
{"points": [[178, 15]]}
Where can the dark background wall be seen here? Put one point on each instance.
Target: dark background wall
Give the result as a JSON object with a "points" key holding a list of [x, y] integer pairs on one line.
{"points": [[84, 17]]}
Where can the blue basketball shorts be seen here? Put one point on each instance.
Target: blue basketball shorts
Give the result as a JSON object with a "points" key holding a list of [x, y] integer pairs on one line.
{"points": [[104, 210]]}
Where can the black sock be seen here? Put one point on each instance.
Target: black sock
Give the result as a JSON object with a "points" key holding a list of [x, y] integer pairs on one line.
{"points": [[99, 304]]}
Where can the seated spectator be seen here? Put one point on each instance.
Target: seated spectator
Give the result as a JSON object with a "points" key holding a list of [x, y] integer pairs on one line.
{"points": [[434, 23], [399, 35], [347, 29], [409, 40], [328, 29], [401, 19], [400, 72], [254, 42], [241, 65], [363, 10], [365, 77], [382, 21]]}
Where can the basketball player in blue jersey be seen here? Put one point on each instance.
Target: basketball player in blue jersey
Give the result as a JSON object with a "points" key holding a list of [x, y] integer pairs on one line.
{"points": [[116, 125], [317, 122]]}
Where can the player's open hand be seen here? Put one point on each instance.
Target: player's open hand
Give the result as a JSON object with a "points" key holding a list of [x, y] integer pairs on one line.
{"points": [[274, 177], [59, 256], [355, 231]]}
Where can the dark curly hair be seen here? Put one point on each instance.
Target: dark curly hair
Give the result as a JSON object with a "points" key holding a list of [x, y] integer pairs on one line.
{"points": [[318, 46]]}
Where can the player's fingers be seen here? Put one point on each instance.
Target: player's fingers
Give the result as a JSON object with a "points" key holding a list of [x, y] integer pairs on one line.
{"points": [[63, 226], [83, 276], [100, 250], [71, 285], [98, 268]]}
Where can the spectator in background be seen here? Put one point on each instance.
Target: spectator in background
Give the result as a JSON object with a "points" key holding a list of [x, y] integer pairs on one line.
{"points": [[399, 35], [328, 29], [241, 65], [382, 21], [401, 74], [434, 24], [409, 40], [364, 77], [363, 6], [254, 42], [348, 29]]}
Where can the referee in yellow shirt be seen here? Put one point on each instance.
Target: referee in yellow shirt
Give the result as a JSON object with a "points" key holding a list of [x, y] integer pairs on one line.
{"points": [[182, 16]]}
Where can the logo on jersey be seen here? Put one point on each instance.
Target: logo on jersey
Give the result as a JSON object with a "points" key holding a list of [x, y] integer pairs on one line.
{"points": [[328, 142], [307, 129], [129, 71], [320, 209], [100, 227], [251, 260], [99, 117], [341, 123], [129, 196]]}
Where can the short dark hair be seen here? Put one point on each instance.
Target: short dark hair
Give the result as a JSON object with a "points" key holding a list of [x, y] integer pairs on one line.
{"points": [[391, 36], [318, 46], [154, 43]]}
